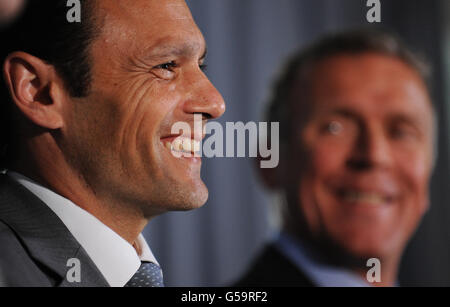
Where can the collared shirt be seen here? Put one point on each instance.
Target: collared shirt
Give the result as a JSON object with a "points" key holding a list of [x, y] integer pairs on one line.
{"points": [[320, 274], [115, 258]]}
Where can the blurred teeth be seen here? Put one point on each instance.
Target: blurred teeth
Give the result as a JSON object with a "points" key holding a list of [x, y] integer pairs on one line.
{"points": [[361, 197]]}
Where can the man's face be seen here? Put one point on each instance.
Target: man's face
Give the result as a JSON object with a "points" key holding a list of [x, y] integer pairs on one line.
{"points": [[363, 155], [146, 76]]}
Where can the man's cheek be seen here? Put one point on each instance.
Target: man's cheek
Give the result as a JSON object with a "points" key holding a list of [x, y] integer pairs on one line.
{"points": [[416, 168], [326, 157], [308, 204], [415, 174]]}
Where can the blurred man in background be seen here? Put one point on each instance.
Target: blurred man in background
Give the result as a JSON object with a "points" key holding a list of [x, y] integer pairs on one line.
{"points": [[86, 138], [357, 135], [9, 10]]}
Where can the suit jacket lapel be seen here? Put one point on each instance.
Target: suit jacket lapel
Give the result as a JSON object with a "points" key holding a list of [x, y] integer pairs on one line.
{"points": [[46, 238]]}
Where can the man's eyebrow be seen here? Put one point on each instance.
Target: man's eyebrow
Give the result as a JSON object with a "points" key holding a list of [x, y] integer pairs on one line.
{"points": [[163, 51], [394, 115], [344, 112], [417, 121]]}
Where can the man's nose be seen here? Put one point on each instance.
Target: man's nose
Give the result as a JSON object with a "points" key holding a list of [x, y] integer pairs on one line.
{"points": [[372, 150], [205, 99]]}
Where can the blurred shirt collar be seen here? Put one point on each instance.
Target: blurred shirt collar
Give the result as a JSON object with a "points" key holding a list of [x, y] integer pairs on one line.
{"points": [[115, 258], [320, 274]]}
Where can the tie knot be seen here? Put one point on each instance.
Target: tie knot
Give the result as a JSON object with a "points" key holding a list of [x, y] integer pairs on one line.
{"points": [[148, 275]]}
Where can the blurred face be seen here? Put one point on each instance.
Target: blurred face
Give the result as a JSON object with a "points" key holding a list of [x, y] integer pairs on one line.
{"points": [[146, 76], [9, 9], [363, 154]]}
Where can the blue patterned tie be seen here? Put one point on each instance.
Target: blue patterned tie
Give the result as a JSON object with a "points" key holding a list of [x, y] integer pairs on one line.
{"points": [[148, 275]]}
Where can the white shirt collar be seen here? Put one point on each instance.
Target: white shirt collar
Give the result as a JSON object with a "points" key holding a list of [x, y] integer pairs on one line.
{"points": [[115, 258]]}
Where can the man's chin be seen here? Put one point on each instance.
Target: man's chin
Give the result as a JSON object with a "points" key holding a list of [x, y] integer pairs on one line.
{"points": [[193, 203], [366, 248], [186, 199]]}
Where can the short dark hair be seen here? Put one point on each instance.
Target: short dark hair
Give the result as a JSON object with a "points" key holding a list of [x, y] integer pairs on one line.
{"points": [[43, 31], [351, 42]]}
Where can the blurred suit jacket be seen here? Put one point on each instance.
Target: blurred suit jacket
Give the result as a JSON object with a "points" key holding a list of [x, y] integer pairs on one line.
{"points": [[272, 269], [35, 246]]}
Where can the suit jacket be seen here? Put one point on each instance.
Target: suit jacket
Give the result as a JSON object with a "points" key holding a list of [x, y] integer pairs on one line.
{"points": [[35, 246], [272, 269]]}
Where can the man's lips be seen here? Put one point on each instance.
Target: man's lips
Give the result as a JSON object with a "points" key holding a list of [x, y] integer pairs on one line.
{"points": [[375, 188], [365, 196]]}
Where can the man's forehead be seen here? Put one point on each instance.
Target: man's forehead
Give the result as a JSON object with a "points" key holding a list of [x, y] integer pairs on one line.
{"points": [[159, 26], [144, 6], [368, 77], [141, 16], [367, 69], [335, 89]]}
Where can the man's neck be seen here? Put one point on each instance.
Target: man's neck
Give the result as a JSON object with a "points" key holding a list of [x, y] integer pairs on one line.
{"points": [[126, 221]]}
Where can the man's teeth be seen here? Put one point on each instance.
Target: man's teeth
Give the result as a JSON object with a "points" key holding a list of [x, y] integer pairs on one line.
{"points": [[361, 197], [182, 144]]}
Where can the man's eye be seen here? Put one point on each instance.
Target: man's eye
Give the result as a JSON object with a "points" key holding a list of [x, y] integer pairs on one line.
{"points": [[401, 133], [167, 66], [333, 128]]}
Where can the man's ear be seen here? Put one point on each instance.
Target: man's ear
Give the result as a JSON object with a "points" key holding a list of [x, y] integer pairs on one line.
{"points": [[35, 89]]}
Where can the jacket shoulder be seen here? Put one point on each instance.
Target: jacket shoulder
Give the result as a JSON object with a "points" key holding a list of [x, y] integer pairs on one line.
{"points": [[272, 269], [17, 268]]}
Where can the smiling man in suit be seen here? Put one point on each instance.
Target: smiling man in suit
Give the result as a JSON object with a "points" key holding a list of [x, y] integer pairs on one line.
{"points": [[357, 133], [86, 138]]}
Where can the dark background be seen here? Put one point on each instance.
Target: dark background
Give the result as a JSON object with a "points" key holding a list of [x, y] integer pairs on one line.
{"points": [[248, 41]]}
